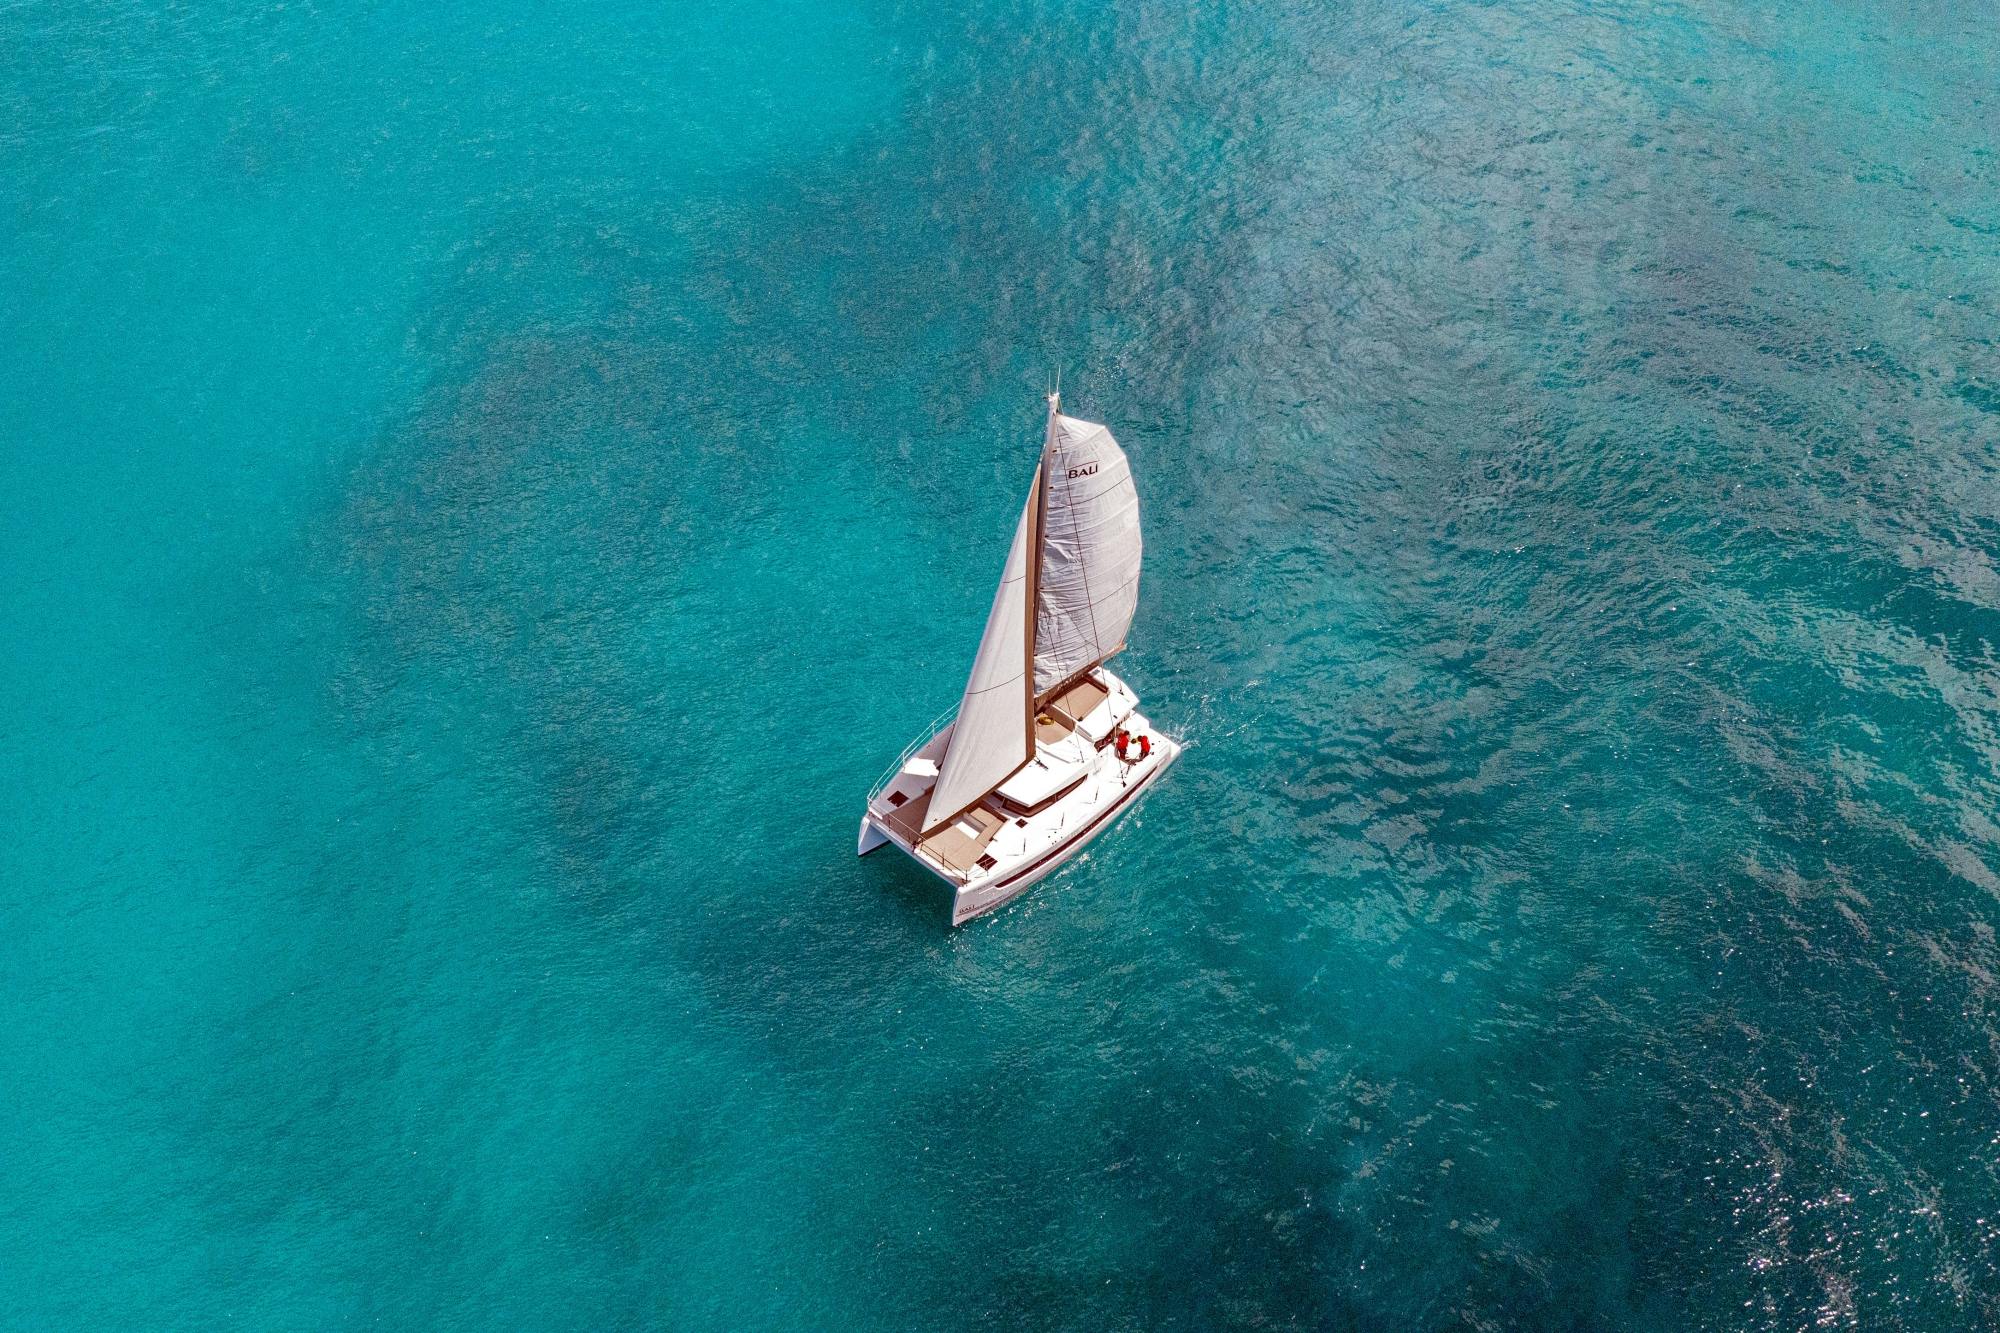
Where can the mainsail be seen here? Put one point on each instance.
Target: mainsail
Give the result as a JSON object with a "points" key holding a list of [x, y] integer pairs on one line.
{"points": [[1090, 553], [1064, 604]]}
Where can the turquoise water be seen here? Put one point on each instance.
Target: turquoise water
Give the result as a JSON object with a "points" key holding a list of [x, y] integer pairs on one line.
{"points": [[482, 496]]}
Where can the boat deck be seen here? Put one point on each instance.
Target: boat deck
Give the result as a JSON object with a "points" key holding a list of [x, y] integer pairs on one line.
{"points": [[1080, 700], [958, 845], [962, 842], [906, 821], [966, 849], [1060, 715], [1074, 786]]}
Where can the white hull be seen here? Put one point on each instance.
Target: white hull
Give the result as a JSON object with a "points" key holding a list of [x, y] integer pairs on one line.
{"points": [[983, 896], [1078, 787]]}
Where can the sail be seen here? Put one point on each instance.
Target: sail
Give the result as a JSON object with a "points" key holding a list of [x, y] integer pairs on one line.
{"points": [[1090, 553], [994, 733]]}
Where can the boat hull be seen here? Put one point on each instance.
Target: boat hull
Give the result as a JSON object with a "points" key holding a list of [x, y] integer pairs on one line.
{"points": [[979, 897]]}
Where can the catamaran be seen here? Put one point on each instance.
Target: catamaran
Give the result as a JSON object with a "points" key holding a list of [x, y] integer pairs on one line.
{"points": [[1046, 747]]}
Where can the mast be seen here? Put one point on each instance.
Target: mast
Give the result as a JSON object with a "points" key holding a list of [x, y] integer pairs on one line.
{"points": [[1039, 507]]}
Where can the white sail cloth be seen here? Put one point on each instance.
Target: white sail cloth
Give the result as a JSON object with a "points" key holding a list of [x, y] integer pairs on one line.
{"points": [[1090, 553], [990, 739], [1076, 551]]}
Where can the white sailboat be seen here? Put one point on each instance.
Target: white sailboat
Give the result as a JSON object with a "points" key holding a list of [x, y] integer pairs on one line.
{"points": [[1046, 747]]}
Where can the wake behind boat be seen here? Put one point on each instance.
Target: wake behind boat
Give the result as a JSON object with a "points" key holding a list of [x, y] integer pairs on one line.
{"points": [[1046, 747]]}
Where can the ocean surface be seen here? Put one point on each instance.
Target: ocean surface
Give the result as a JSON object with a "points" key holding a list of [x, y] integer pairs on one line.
{"points": [[485, 490]]}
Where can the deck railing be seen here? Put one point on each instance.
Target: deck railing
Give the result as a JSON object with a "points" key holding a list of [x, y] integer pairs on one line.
{"points": [[923, 739]]}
